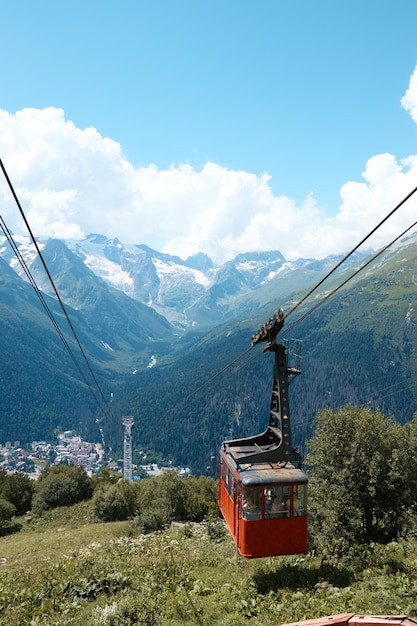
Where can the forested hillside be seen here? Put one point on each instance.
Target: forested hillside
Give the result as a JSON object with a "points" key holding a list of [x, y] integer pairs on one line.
{"points": [[359, 347], [41, 388]]}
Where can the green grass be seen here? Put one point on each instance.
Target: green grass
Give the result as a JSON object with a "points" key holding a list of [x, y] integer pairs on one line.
{"points": [[64, 569], [57, 533]]}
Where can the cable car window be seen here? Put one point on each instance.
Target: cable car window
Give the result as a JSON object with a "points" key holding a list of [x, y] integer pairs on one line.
{"points": [[300, 500], [277, 502], [251, 504], [231, 484]]}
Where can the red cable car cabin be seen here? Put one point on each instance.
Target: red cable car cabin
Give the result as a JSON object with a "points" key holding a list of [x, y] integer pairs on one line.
{"points": [[264, 505], [262, 488]]}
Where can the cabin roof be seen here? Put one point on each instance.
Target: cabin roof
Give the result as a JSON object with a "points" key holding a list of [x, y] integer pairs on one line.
{"points": [[280, 472], [264, 474]]}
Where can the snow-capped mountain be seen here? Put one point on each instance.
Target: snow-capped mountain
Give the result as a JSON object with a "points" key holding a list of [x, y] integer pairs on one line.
{"points": [[179, 290], [190, 294]]}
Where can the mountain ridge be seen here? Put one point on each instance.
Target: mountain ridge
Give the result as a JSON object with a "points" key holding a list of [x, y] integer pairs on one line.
{"points": [[193, 294]]}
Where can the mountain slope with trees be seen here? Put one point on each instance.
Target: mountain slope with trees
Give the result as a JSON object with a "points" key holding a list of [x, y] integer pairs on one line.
{"points": [[359, 347]]}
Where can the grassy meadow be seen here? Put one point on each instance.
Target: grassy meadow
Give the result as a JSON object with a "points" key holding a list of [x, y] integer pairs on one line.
{"points": [[62, 568]]}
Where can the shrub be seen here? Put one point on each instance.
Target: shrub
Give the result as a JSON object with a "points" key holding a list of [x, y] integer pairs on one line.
{"points": [[216, 530], [7, 510], [61, 485], [141, 608], [166, 494], [170, 497], [362, 483], [201, 498], [18, 489], [115, 502], [55, 491], [154, 520], [104, 477]]}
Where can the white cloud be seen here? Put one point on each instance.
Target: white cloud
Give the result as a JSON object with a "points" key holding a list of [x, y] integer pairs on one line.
{"points": [[364, 205], [409, 100], [72, 182]]}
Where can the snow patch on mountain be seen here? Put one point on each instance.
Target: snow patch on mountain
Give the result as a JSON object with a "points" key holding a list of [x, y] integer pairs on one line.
{"points": [[26, 248], [173, 271], [111, 272], [152, 362], [285, 267], [250, 266]]}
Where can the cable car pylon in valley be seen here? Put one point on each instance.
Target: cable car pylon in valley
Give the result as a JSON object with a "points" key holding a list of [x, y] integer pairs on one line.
{"points": [[262, 487]]}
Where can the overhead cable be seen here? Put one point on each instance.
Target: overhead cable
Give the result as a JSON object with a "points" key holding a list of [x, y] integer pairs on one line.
{"points": [[354, 250], [54, 288], [336, 289], [324, 299], [48, 311]]}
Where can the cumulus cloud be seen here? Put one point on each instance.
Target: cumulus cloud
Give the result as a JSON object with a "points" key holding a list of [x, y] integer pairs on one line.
{"points": [[409, 100], [364, 205], [73, 181]]}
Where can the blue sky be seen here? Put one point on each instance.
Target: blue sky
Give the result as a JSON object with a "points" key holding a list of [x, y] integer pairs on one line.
{"points": [[306, 92]]}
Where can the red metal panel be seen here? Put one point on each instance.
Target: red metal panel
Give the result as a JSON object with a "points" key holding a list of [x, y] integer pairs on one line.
{"points": [[381, 620], [334, 620], [349, 619], [273, 537]]}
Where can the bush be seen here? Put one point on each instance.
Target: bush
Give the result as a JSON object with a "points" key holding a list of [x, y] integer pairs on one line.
{"points": [[154, 520], [170, 498], [104, 477], [55, 491], [61, 485], [141, 608], [201, 498], [116, 502], [18, 490], [165, 493], [7, 510], [362, 480], [216, 530]]}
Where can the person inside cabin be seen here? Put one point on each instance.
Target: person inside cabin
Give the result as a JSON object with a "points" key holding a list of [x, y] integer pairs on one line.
{"points": [[276, 505], [274, 508], [250, 504], [267, 500], [277, 502]]}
